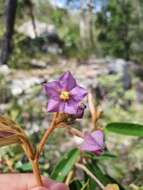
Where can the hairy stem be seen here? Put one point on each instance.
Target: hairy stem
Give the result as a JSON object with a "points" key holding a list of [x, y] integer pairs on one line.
{"points": [[45, 137], [73, 131], [27, 147], [36, 171], [76, 132]]}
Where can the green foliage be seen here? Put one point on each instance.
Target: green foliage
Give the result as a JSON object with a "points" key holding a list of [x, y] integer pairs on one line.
{"points": [[57, 17], [65, 165], [4, 89], [126, 129], [104, 178], [115, 34], [75, 185], [105, 156], [23, 167], [119, 25], [71, 38]]}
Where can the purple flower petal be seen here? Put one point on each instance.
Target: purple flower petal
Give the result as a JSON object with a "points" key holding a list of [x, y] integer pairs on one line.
{"points": [[53, 105], [94, 142], [71, 107], [65, 95], [53, 89], [62, 107], [78, 93], [98, 137], [67, 81], [56, 106]]}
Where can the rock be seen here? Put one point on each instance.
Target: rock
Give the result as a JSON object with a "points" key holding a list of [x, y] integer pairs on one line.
{"points": [[137, 70], [52, 48], [46, 38], [38, 64], [4, 70], [41, 28], [139, 92], [3, 107], [116, 66], [18, 86], [126, 78]]}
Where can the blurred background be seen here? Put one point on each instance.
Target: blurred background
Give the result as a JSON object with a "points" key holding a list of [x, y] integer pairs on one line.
{"points": [[101, 43]]}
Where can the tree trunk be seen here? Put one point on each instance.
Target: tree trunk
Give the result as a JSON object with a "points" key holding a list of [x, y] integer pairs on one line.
{"points": [[90, 23], [127, 42], [86, 23], [10, 15], [82, 25], [31, 14]]}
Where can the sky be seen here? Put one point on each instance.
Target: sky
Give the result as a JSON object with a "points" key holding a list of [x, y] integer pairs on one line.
{"points": [[75, 5], [59, 3]]}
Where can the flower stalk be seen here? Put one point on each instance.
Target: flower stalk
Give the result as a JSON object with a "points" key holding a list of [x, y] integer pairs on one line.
{"points": [[45, 137], [36, 171], [40, 148], [95, 113], [76, 132]]}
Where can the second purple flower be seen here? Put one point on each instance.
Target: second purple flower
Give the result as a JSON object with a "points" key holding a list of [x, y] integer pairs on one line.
{"points": [[64, 94], [94, 142]]}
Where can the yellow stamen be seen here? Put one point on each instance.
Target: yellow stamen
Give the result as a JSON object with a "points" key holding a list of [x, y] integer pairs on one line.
{"points": [[65, 95]]}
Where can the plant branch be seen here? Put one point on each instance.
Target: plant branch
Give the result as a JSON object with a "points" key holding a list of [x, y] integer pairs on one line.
{"points": [[69, 177], [36, 171], [72, 130], [76, 132], [95, 113], [45, 137], [84, 168]]}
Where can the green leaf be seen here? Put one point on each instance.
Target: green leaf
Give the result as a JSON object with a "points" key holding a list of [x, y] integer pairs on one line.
{"points": [[65, 165], [75, 185], [86, 186], [90, 184], [131, 129], [104, 178], [26, 167], [106, 155]]}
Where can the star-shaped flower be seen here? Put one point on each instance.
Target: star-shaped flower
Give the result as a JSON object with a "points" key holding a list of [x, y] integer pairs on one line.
{"points": [[64, 94]]}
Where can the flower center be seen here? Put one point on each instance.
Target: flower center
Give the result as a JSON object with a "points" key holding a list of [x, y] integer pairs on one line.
{"points": [[65, 95]]}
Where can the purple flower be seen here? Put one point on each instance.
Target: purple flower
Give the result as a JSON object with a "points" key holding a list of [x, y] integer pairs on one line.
{"points": [[64, 94], [93, 142]]}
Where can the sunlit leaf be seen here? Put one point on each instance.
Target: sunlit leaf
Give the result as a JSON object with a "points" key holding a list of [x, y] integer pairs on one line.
{"points": [[65, 165], [131, 129]]}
